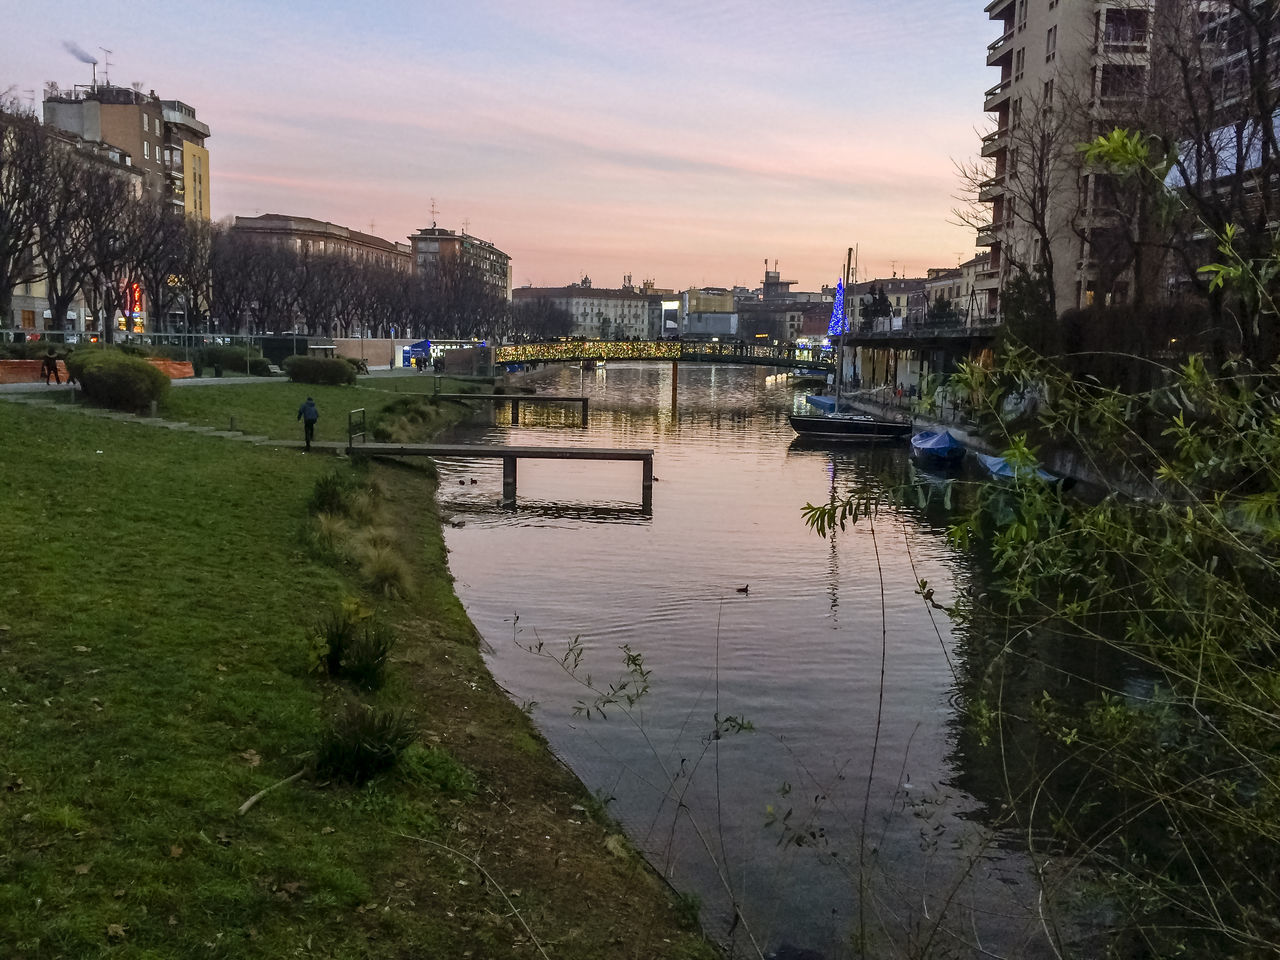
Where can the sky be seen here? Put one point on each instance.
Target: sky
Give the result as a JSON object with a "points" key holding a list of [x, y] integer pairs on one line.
{"points": [[681, 142]]}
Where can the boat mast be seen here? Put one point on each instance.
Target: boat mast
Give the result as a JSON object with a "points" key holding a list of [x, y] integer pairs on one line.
{"points": [[844, 326]]}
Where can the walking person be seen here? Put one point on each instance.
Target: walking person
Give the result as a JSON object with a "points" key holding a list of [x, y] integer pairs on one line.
{"points": [[308, 414], [49, 368]]}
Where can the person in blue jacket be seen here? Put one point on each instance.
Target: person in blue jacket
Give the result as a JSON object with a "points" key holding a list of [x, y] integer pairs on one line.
{"points": [[308, 414]]}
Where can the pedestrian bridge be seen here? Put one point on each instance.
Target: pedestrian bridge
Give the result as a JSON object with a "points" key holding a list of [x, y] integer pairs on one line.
{"points": [[690, 351]]}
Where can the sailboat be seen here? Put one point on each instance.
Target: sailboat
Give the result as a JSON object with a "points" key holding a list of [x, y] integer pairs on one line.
{"points": [[835, 425]]}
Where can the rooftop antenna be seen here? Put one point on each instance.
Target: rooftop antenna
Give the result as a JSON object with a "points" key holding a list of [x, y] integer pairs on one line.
{"points": [[465, 225], [434, 211], [106, 66], [372, 226]]}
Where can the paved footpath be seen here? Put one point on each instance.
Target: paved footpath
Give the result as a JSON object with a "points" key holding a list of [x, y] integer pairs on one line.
{"points": [[53, 397]]}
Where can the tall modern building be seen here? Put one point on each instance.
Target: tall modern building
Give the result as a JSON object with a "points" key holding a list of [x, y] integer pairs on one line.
{"points": [[163, 138], [1069, 69], [433, 245]]}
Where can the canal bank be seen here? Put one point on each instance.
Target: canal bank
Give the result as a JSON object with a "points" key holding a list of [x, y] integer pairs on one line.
{"points": [[161, 592]]}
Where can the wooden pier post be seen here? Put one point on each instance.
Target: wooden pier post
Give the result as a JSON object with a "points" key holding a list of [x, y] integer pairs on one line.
{"points": [[646, 486], [515, 412], [508, 481], [675, 382], [584, 411]]}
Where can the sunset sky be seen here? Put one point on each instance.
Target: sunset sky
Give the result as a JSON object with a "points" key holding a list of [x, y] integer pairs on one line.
{"points": [[683, 142]]}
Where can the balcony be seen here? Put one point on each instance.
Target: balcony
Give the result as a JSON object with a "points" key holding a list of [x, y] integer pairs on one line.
{"points": [[994, 142], [996, 9], [997, 95], [1000, 49], [989, 189], [987, 234]]}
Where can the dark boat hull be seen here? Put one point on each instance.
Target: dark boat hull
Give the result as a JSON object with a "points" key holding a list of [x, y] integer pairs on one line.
{"points": [[844, 428]]}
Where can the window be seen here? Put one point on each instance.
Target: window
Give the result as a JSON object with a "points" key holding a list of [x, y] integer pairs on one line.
{"points": [[145, 121], [1019, 61], [1048, 93], [1022, 14], [1051, 43], [1015, 112], [146, 149]]}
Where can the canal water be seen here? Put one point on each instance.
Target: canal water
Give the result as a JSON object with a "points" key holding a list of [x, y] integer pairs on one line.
{"points": [[795, 748]]}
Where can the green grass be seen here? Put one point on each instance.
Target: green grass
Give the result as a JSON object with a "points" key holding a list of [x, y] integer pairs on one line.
{"points": [[156, 592], [270, 408]]}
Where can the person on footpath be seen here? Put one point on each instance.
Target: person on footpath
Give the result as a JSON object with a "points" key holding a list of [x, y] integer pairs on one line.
{"points": [[49, 368], [308, 414]]}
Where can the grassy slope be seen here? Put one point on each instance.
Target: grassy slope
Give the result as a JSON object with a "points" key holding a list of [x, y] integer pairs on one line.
{"points": [[153, 604]]}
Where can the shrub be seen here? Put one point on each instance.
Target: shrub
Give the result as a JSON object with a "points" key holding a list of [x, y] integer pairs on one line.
{"points": [[332, 493], [320, 370], [364, 661], [350, 644], [363, 742], [116, 380]]}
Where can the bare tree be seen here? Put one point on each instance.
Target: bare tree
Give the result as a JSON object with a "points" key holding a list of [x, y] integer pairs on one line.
{"points": [[22, 187]]}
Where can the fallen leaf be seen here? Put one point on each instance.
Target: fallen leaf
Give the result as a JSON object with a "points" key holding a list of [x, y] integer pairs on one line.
{"points": [[175, 851], [115, 931], [221, 667], [224, 839], [322, 829], [251, 757], [118, 893], [290, 887], [81, 648], [82, 869], [173, 921]]}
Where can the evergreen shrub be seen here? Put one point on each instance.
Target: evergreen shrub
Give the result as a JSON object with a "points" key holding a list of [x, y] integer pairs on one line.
{"points": [[320, 370], [116, 380]]}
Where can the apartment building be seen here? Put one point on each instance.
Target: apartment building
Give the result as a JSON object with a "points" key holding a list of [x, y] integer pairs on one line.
{"points": [[162, 139], [432, 246], [1069, 69], [318, 237], [598, 313]]}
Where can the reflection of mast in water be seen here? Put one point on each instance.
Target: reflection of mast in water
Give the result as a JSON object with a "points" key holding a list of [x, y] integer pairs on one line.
{"points": [[833, 559]]}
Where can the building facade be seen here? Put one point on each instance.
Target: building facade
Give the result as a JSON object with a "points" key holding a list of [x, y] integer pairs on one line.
{"points": [[599, 313], [162, 139], [317, 238], [1069, 69], [433, 246]]}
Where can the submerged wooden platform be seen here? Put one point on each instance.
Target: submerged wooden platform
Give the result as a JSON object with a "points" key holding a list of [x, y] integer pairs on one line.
{"points": [[511, 455], [515, 399]]}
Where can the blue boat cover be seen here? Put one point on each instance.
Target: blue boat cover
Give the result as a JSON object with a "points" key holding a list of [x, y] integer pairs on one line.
{"points": [[1000, 467], [936, 442]]}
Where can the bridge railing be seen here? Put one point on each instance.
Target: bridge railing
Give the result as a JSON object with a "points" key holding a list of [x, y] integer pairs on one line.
{"points": [[563, 350]]}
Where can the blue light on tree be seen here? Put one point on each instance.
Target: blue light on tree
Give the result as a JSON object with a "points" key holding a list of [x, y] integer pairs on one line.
{"points": [[838, 325]]}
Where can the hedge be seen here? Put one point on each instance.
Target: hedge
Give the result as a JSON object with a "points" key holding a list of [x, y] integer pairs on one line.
{"points": [[320, 370], [117, 380]]}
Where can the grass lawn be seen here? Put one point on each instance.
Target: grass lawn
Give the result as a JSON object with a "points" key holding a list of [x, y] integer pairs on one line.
{"points": [[156, 593], [270, 408]]}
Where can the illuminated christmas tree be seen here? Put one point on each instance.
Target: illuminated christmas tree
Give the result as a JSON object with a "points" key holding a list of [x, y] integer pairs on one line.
{"points": [[839, 324]]}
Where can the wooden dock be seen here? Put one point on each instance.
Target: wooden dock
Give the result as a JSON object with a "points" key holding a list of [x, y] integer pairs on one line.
{"points": [[509, 456], [515, 399]]}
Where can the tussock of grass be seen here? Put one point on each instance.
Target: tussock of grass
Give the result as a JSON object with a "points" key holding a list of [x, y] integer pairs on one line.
{"points": [[363, 742], [385, 571]]}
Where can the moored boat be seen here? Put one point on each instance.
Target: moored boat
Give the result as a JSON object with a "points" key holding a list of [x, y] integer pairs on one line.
{"points": [[1001, 469], [849, 427], [938, 448]]}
